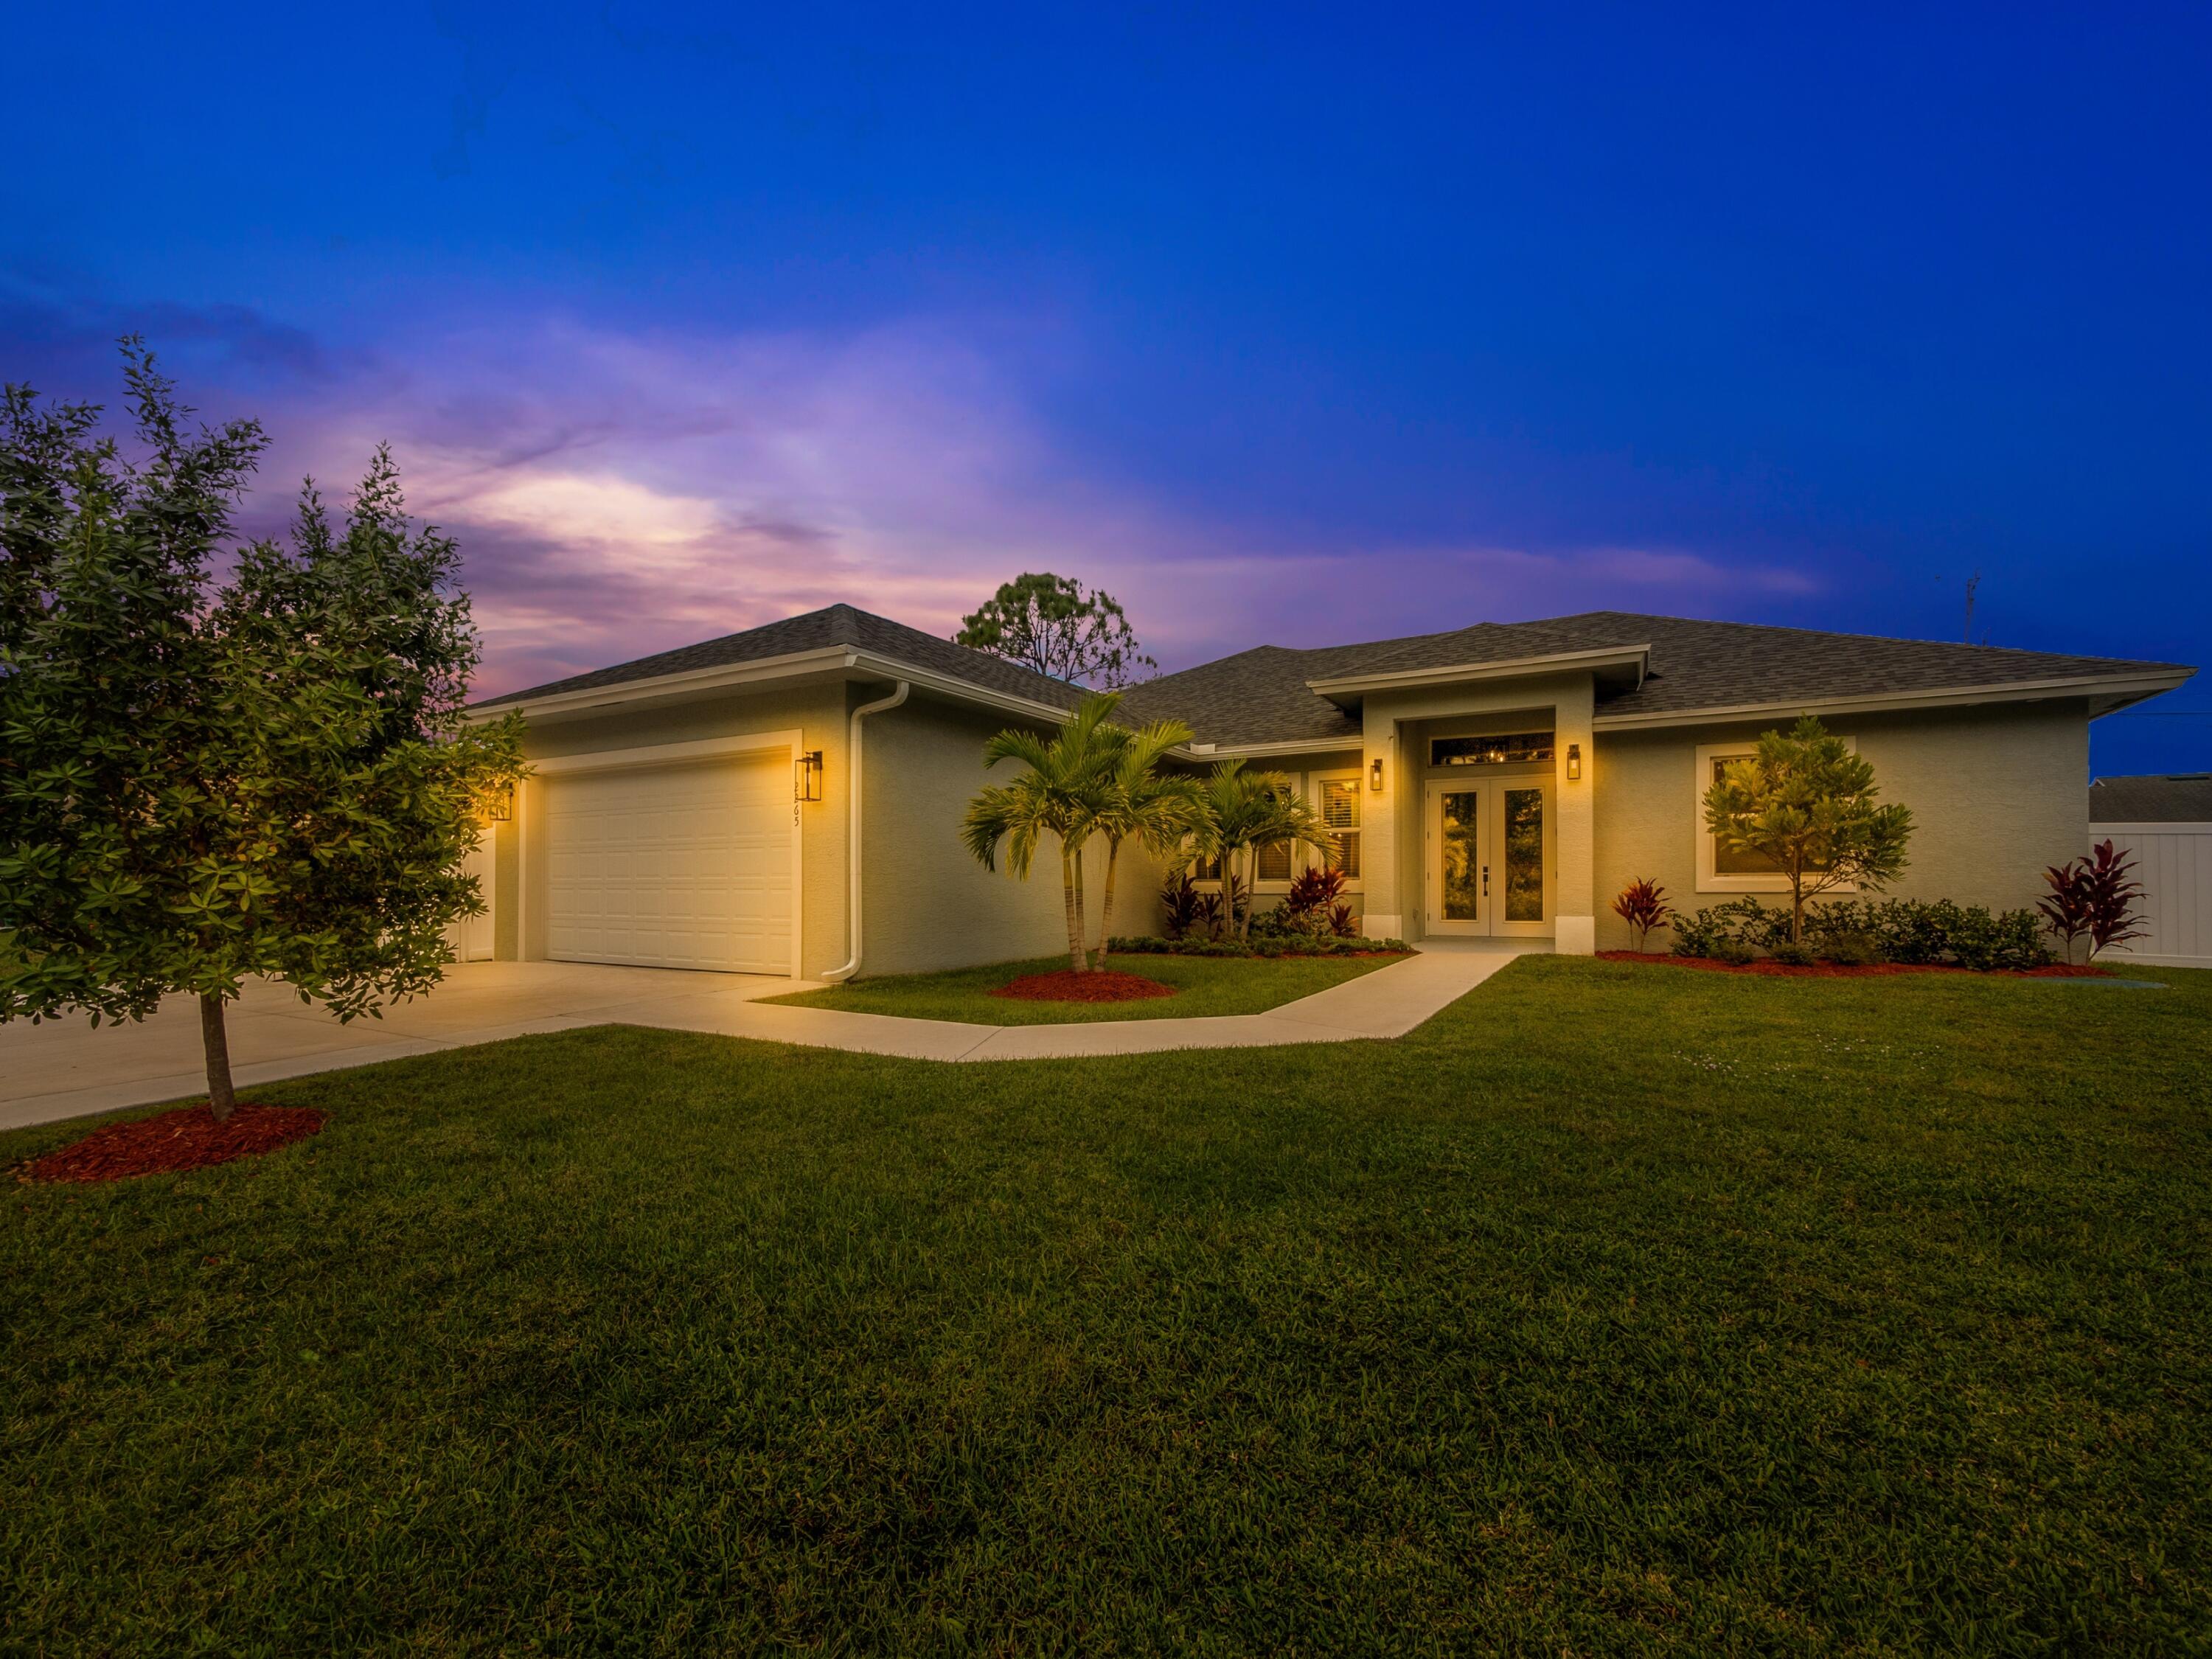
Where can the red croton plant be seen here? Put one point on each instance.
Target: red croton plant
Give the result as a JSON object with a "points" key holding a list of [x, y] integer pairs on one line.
{"points": [[2094, 898], [1642, 905]]}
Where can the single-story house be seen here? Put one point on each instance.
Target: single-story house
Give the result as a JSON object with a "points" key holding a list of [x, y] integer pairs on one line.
{"points": [[2163, 821], [785, 800]]}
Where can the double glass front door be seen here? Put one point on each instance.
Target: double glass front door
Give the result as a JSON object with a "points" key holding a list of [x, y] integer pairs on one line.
{"points": [[1487, 855]]}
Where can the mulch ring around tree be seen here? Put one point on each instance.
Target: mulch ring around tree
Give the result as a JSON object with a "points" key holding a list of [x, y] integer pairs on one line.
{"points": [[188, 1138], [1102, 985], [1839, 970]]}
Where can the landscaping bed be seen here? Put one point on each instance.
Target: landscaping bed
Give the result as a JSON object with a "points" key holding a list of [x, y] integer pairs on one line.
{"points": [[188, 1138], [1854, 970], [1101, 985], [1261, 947], [1192, 987]]}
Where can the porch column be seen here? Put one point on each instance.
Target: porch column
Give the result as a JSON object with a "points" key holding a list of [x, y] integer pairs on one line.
{"points": [[1576, 926], [1382, 826]]}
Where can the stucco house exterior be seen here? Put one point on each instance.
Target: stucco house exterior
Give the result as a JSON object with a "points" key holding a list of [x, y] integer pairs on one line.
{"points": [[785, 800]]}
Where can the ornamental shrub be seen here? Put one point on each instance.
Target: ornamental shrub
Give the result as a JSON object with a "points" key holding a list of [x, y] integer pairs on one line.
{"points": [[1913, 931]]}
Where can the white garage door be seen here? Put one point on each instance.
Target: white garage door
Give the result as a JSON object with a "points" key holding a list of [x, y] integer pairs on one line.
{"points": [[673, 866]]}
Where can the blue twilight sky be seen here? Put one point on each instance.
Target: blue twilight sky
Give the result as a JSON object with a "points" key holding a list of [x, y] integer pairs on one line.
{"points": [[1291, 325]]}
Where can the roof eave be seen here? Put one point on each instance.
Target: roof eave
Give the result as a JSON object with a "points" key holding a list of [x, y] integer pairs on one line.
{"points": [[1345, 688], [843, 661], [2104, 692]]}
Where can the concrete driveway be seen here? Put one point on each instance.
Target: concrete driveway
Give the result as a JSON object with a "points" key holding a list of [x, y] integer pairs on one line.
{"points": [[67, 1067]]}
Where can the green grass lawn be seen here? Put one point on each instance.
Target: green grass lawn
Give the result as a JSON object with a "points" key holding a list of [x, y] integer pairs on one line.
{"points": [[1617, 1310], [1204, 984]]}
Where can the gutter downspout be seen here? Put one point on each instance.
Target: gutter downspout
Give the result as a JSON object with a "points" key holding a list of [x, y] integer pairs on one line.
{"points": [[853, 826]]}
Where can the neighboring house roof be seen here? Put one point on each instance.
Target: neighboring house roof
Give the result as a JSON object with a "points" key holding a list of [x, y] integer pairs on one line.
{"points": [[2158, 797], [1667, 668], [832, 626]]}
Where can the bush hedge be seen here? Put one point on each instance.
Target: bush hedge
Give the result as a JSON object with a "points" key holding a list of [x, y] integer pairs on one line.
{"points": [[1290, 945], [1859, 931]]}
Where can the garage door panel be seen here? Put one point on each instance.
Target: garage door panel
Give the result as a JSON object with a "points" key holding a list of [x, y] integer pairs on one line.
{"points": [[683, 866]]}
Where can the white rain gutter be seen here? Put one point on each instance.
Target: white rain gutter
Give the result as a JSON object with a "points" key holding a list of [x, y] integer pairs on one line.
{"points": [[852, 827]]}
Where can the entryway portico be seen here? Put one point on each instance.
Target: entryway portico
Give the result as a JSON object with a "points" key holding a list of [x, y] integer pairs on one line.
{"points": [[1479, 806]]}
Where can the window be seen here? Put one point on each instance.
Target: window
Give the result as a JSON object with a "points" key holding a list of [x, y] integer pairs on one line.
{"points": [[1340, 811], [1204, 869], [1275, 861], [1501, 750], [1721, 870]]}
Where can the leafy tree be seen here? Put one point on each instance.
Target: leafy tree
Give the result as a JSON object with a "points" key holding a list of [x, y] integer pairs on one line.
{"points": [[1057, 626], [1245, 812], [202, 783], [1061, 795], [1805, 802]]}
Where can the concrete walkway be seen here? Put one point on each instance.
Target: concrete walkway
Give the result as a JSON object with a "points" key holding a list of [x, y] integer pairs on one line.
{"points": [[66, 1069]]}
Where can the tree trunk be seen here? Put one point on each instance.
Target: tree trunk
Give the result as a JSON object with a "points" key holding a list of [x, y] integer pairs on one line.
{"points": [[221, 1098], [1796, 902], [1082, 918], [1067, 897], [1251, 886], [1106, 902]]}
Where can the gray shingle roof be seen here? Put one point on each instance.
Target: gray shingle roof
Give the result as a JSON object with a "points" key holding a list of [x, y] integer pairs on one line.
{"points": [[1261, 696], [2158, 797], [834, 625]]}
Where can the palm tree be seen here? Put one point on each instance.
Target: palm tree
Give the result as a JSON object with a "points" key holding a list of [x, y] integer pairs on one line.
{"points": [[1158, 809], [1066, 787], [1245, 812]]}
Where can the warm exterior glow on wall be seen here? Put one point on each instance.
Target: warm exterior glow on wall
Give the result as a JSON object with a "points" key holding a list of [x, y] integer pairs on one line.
{"points": [[807, 776]]}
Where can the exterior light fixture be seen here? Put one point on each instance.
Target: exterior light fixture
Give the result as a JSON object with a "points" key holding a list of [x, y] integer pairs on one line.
{"points": [[1375, 774], [1574, 763], [500, 808], [807, 776]]}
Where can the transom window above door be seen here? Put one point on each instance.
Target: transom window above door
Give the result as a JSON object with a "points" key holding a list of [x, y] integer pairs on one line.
{"points": [[1506, 749]]}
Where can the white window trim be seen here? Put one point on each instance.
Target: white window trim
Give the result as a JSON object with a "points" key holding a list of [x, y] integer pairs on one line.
{"points": [[1357, 779], [1709, 880]]}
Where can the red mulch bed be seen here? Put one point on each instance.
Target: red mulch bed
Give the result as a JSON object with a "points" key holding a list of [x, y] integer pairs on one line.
{"points": [[1838, 971], [1103, 985], [187, 1139]]}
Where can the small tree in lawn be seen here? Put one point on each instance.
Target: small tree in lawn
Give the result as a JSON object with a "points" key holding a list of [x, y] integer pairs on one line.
{"points": [[1062, 795], [1806, 803], [1057, 626], [200, 785], [2094, 898]]}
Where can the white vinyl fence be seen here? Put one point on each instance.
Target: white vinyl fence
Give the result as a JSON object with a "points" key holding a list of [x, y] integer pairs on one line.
{"points": [[2174, 861]]}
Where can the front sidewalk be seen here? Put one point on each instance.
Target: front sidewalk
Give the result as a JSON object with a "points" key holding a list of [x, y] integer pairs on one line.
{"points": [[66, 1069]]}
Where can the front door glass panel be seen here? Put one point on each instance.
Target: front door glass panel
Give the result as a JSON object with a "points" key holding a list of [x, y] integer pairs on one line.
{"points": [[1463, 872], [1524, 855]]}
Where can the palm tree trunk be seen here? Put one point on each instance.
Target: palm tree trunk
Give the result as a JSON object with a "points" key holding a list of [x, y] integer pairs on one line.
{"points": [[1106, 899], [222, 1099], [1251, 884], [1081, 915], [1067, 868]]}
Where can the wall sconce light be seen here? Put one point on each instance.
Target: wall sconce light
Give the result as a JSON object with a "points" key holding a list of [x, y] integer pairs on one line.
{"points": [[1574, 763], [1375, 773], [807, 776], [500, 808]]}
